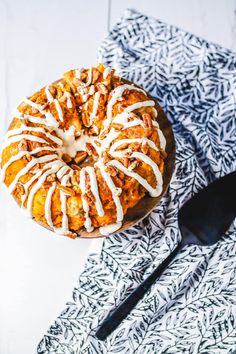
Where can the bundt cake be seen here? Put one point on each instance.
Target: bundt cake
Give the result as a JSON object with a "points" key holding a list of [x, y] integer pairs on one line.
{"points": [[81, 151]]}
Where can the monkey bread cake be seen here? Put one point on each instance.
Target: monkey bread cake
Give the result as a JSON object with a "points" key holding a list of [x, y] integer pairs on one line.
{"points": [[82, 151]]}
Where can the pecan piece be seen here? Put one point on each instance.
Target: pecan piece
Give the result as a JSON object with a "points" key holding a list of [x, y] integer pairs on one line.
{"points": [[23, 145], [86, 118], [105, 157], [118, 181], [71, 234], [101, 88], [117, 126], [125, 162], [80, 156], [104, 133], [34, 144], [91, 150], [66, 158], [88, 199], [51, 178], [74, 179], [75, 167], [47, 184], [90, 196], [96, 74], [20, 188], [36, 168], [111, 170], [118, 191], [66, 190], [144, 148], [135, 146], [122, 146], [95, 222], [98, 143], [28, 157], [147, 121], [133, 165]]}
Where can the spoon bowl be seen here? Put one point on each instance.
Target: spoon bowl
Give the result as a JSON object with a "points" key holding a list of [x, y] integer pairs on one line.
{"points": [[203, 220]]}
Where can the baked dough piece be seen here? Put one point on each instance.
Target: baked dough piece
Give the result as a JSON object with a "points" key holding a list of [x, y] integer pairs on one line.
{"points": [[83, 150]]}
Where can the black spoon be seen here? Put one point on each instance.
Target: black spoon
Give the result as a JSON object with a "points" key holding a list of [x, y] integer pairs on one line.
{"points": [[202, 221]]}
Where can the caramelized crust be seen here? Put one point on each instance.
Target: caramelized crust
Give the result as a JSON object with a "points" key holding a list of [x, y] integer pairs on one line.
{"points": [[74, 150]]}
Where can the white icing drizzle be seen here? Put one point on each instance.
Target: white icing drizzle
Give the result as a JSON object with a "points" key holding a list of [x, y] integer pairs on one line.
{"points": [[68, 102], [138, 105], [55, 165], [154, 192], [32, 119], [62, 171], [17, 138], [122, 153], [48, 115], [48, 94], [109, 229], [95, 104], [78, 72], [91, 90], [59, 110], [88, 222], [115, 95], [36, 176], [26, 169], [106, 72], [161, 135], [23, 127], [85, 98], [162, 139], [28, 184], [133, 123], [19, 156], [94, 189], [113, 188], [63, 198], [155, 112], [90, 77], [122, 118], [105, 143], [49, 120], [96, 130], [48, 203], [71, 144], [33, 104], [80, 143]]}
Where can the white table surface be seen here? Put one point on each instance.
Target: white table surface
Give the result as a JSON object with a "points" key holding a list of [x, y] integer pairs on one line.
{"points": [[39, 40]]}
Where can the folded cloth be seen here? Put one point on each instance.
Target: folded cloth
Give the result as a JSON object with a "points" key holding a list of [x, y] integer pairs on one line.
{"points": [[192, 307]]}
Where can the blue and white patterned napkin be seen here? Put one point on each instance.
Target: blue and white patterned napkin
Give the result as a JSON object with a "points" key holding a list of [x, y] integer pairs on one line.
{"points": [[192, 308]]}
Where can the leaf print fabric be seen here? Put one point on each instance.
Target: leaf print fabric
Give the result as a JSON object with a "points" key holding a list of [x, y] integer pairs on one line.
{"points": [[192, 307]]}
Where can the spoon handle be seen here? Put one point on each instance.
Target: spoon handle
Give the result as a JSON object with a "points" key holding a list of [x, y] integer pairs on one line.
{"points": [[120, 313]]}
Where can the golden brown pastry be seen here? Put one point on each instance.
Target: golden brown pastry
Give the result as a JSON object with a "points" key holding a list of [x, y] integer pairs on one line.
{"points": [[83, 150]]}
